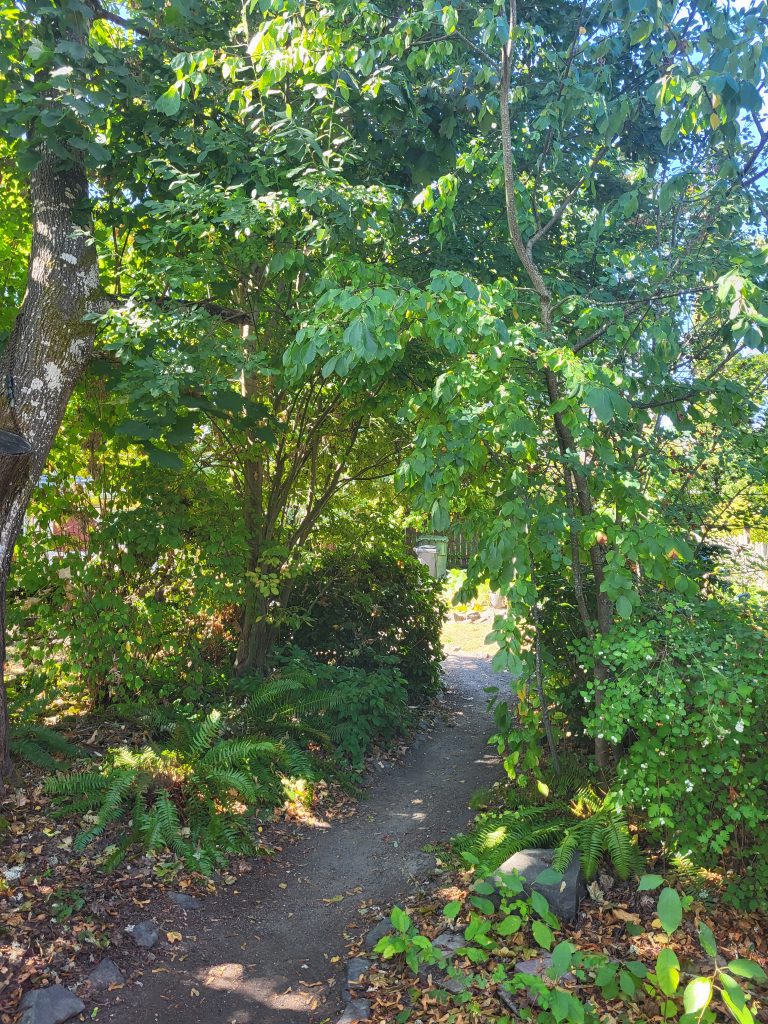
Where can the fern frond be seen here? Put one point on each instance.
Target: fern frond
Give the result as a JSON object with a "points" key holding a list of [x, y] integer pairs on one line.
{"points": [[206, 733]]}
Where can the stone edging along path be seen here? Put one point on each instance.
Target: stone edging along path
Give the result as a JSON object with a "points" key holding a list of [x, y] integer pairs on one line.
{"points": [[273, 952]]}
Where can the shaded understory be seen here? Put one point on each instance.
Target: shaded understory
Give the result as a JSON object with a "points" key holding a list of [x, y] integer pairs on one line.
{"points": [[263, 952]]}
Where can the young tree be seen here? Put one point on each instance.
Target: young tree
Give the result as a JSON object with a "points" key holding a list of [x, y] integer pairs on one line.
{"points": [[627, 154]]}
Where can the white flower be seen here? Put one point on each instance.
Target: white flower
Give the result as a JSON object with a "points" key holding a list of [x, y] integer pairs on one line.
{"points": [[739, 727], [689, 786]]}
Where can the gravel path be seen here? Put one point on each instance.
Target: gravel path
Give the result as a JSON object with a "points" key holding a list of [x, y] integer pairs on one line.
{"points": [[264, 955]]}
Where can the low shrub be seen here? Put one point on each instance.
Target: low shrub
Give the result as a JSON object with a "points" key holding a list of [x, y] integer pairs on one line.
{"points": [[371, 610], [347, 709], [193, 790], [687, 701]]}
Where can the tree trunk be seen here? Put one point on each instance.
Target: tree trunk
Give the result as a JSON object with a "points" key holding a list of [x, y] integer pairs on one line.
{"points": [[47, 352], [256, 635]]}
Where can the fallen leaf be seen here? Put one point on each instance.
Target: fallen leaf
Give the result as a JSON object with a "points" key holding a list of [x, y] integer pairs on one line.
{"points": [[625, 915], [173, 936]]}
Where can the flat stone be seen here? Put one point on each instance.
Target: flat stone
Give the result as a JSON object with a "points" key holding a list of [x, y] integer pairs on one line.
{"points": [[507, 999], [357, 968], [50, 1005], [185, 901], [564, 896], [437, 978], [356, 1010], [384, 927], [449, 942], [144, 934], [453, 985], [105, 974], [536, 965]]}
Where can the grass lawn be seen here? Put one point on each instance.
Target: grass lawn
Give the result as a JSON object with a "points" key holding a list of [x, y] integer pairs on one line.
{"points": [[468, 637]]}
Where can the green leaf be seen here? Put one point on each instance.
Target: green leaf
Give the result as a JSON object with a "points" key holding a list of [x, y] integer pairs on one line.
{"points": [[748, 969], [741, 1014], [732, 987], [483, 904], [400, 919], [649, 882], [668, 971], [135, 428], [669, 910], [707, 940], [549, 877], [509, 925], [452, 910], [542, 934], [697, 995], [161, 457], [539, 903], [600, 399], [562, 955], [170, 102], [624, 606], [640, 32]]}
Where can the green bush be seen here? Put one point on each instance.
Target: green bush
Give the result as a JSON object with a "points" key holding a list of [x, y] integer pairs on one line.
{"points": [[193, 790], [347, 709], [370, 610], [687, 699]]}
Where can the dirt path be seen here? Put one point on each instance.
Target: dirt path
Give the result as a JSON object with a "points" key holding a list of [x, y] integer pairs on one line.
{"points": [[258, 955]]}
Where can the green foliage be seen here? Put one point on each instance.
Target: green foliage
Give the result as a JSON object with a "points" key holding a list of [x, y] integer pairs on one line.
{"points": [[122, 588], [191, 799], [720, 990], [194, 789], [372, 610], [347, 709], [591, 826], [41, 745], [686, 694]]}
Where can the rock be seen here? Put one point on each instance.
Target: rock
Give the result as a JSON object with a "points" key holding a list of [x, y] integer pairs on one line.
{"points": [[105, 974], [50, 1005], [449, 942], [564, 896], [357, 1010], [436, 978], [144, 934], [357, 968], [537, 965], [185, 901], [507, 999], [454, 985], [384, 927]]}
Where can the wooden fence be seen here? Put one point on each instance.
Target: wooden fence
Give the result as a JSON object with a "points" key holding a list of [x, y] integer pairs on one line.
{"points": [[460, 547]]}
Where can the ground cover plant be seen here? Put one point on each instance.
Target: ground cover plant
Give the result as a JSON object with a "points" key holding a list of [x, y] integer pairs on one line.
{"points": [[647, 953]]}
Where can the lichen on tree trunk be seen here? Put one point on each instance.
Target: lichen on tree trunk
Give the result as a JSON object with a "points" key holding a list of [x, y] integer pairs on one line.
{"points": [[47, 352]]}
